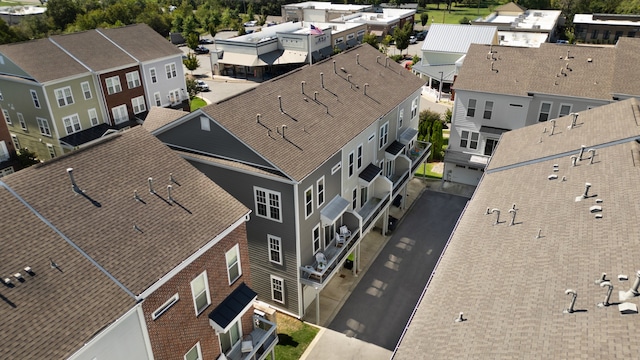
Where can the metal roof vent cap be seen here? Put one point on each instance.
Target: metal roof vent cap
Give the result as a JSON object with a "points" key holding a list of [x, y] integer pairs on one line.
{"points": [[606, 303], [460, 318], [602, 279], [595, 209], [574, 296], [587, 186], [74, 186]]}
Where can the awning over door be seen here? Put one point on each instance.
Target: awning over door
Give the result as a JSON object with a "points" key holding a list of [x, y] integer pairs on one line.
{"points": [[333, 210], [408, 136], [232, 308], [250, 60], [370, 173], [393, 150]]}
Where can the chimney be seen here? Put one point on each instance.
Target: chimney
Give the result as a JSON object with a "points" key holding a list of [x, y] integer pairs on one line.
{"points": [[258, 118], [280, 103], [322, 80], [151, 191], [334, 67], [365, 88], [302, 85], [74, 186], [169, 197], [283, 127], [358, 59]]}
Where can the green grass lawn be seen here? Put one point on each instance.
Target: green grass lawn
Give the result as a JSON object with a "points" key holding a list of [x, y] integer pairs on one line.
{"points": [[294, 336], [443, 16], [197, 103], [429, 171]]}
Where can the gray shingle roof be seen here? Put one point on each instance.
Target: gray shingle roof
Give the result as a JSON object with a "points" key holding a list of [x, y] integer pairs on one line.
{"points": [[53, 313], [313, 135], [94, 51], [626, 77], [453, 38], [43, 60], [511, 285], [141, 41], [109, 172], [159, 117]]}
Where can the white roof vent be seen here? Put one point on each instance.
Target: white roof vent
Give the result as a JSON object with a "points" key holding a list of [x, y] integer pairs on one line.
{"points": [[628, 308], [595, 208]]}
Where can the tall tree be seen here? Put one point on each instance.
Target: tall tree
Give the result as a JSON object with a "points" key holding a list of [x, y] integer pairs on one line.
{"points": [[401, 36], [191, 62], [370, 39], [62, 12], [424, 18]]}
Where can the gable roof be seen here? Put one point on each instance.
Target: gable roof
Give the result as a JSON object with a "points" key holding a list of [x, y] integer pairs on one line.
{"points": [[94, 50], [159, 117], [453, 38], [101, 221], [510, 7], [54, 312], [42, 60], [518, 71], [514, 281], [315, 130], [141, 42]]}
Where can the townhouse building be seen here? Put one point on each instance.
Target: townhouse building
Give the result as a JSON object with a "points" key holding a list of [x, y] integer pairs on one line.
{"points": [[503, 88], [88, 85], [145, 258], [319, 155]]}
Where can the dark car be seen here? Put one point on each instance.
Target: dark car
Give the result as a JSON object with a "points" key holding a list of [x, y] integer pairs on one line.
{"points": [[201, 50], [421, 35], [205, 41]]}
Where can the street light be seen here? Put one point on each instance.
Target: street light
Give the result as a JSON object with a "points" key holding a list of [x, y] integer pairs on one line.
{"points": [[440, 86]]}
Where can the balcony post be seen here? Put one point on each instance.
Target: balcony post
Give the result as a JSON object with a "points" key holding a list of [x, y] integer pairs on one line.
{"points": [[317, 306]]}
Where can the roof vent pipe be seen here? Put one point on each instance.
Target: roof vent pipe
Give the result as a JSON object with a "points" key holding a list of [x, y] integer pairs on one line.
{"points": [[582, 147], [315, 95], [280, 104], [334, 67], [151, 191], [586, 190], [169, 197], [606, 303], [636, 284], [377, 59], [358, 59], [539, 235], [553, 126], [386, 62], [568, 57], [513, 217], [574, 160], [574, 295], [136, 197], [349, 77], [460, 318], [602, 279], [283, 127], [366, 85], [322, 79], [497, 212], [74, 186], [593, 154], [173, 180], [258, 118], [574, 117], [302, 85]]}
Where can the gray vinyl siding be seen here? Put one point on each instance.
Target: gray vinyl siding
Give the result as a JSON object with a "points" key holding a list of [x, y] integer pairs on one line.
{"points": [[241, 186], [217, 141], [556, 100]]}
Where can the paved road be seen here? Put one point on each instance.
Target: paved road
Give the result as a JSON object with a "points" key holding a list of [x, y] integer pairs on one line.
{"points": [[379, 307]]}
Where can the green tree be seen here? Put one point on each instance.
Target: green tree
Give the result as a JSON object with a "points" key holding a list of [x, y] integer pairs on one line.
{"points": [[370, 39], [8, 35], [425, 124], [401, 36], [192, 88], [193, 39], [27, 158], [62, 12], [424, 18], [191, 62], [251, 14], [436, 141], [447, 116], [465, 21], [416, 59]]}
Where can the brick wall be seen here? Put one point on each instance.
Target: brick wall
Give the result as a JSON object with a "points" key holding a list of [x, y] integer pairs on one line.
{"points": [[179, 329]]}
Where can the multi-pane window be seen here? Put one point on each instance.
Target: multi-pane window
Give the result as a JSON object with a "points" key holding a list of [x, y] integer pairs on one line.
{"points": [[277, 289], [594, 34], [113, 85], [93, 117], [120, 114], [64, 96], [469, 139], [133, 79], [34, 97], [414, 108], [43, 125], [488, 110], [229, 339], [170, 69], [400, 118], [86, 90], [23, 124], [354, 198], [545, 110], [52, 151], [363, 195], [174, 96], [138, 105], [157, 98], [565, 109], [200, 292], [275, 249], [359, 156], [490, 146], [154, 77], [384, 135], [234, 270], [71, 123], [320, 191], [16, 143], [471, 108], [194, 354], [268, 204], [351, 163], [308, 202], [7, 118], [315, 234]]}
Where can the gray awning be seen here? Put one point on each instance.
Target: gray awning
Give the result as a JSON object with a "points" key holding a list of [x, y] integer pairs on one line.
{"points": [[408, 136], [292, 57], [250, 60], [232, 308], [270, 57], [492, 130], [369, 174], [333, 210]]}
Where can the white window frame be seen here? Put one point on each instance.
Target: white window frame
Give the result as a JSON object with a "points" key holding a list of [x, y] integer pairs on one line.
{"points": [[133, 79], [236, 326], [174, 96], [72, 124], [23, 124], [400, 118], [548, 113], [351, 158], [315, 238], [359, 154], [170, 70], [64, 96], [197, 348], [164, 307], [488, 109], [153, 75], [267, 203], [34, 97], [275, 247], [205, 292], [336, 168], [354, 198], [471, 109], [560, 114], [113, 85], [320, 191], [236, 250], [277, 285], [384, 135], [157, 98], [468, 140], [364, 195], [308, 202], [93, 115], [138, 104], [7, 118], [120, 110], [86, 90], [52, 151], [43, 126], [15, 141], [414, 108]]}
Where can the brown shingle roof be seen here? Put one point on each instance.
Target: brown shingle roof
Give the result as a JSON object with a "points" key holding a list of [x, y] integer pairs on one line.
{"points": [[109, 173], [159, 117], [42, 59], [627, 78], [511, 285], [141, 41], [93, 50], [55, 312], [313, 135]]}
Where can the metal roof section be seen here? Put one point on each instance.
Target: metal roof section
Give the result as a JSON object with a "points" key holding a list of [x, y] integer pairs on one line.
{"points": [[232, 307], [333, 210], [452, 38]]}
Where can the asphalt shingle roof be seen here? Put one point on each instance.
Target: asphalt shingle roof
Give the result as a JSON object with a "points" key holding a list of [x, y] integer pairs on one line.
{"points": [[141, 41], [315, 130], [94, 51], [159, 117], [626, 77], [102, 223], [510, 284]]}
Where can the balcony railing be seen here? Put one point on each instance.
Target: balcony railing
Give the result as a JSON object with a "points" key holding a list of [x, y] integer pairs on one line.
{"points": [[264, 339], [371, 209], [420, 151], [311, 275]]}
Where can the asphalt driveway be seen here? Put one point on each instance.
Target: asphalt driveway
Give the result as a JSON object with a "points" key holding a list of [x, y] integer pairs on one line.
{"points": [[380, 306]]}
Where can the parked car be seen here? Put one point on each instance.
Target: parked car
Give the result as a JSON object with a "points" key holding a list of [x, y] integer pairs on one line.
{"points": [[412, 39], [202, 86], [201, 50], [421, 35], [250, 23], [205, 41]]}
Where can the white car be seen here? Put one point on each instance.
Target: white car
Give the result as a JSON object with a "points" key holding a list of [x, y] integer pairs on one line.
{"points": [[202, 86], [412, 40]]}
